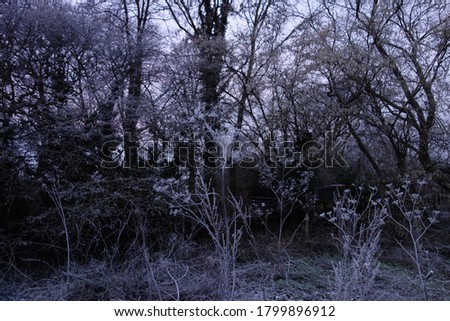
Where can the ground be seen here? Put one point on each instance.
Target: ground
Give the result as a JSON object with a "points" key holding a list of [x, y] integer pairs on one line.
{"points": [[303, 272]]}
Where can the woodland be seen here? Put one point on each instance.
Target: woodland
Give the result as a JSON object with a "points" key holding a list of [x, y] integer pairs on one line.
{"points": [[224, 150]]}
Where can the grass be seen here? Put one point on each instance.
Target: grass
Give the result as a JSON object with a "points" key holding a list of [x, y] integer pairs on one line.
{"points": [[301, 274]]}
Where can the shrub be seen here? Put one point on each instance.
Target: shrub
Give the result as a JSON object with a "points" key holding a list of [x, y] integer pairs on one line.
{"points": [[358, 240]]}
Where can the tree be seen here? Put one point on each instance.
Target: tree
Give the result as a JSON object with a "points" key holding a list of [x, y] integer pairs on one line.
{"points": [[136, 15], [205, 26], [393, 80]]}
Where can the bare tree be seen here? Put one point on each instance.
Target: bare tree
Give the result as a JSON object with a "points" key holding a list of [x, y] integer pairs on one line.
{"points": [[136, 16], [394, 79]]}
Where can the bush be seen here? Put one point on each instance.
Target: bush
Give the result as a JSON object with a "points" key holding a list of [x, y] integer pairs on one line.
{"points": [[358, 239]]}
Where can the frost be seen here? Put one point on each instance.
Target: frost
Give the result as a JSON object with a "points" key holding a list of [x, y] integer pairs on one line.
{"points": [[421, 182]]}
